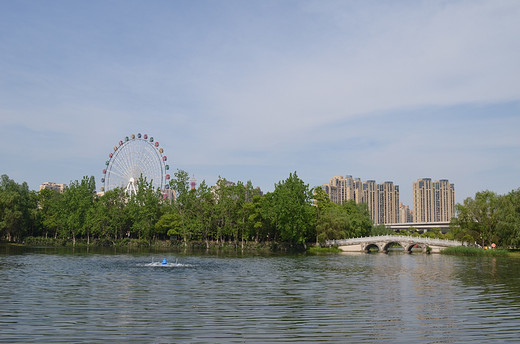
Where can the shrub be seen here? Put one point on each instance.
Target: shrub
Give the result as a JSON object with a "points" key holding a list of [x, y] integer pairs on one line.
{"points": [[473, 251]]}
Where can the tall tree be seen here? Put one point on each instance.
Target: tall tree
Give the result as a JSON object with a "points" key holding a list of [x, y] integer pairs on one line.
{"points": [[17, 209], [169, 223], [184, 199], [225, 209], [206, 212], [145, 209], [509, 219], [51, 218], [478, 217], [77, 199], [332, 224], [109, 218], [293, 210], [323, 206], [254, 224], [360, 223]]}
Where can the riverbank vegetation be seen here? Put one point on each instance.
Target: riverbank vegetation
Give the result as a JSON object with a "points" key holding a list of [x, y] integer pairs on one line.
{"points": [[235, 215], [227, 214], [474, 251], [489, 219]]}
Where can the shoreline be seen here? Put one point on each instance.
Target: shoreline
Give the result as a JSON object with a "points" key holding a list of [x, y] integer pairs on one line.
{"points": [[222, 247], [174, 245]]}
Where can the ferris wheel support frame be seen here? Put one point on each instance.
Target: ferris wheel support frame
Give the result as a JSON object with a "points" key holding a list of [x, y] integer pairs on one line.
{"points": [[136, 157]]}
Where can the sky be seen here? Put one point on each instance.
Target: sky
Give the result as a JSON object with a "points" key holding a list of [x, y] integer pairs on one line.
{"points": [[255, 90]]}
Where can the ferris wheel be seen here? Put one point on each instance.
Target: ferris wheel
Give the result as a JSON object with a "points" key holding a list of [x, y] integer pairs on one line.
{"points": [[135, 157]]}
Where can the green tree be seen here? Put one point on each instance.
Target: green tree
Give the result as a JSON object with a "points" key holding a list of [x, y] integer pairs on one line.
{"points": [[247, 212], [229, 200], [199, 213], [109, 218], [360, 223], [206, 212], [170, 224], [478, 218], [51, 218], [184, 199], [254, 223], [145, 209], [77, 199], [380, 229], [332, 224], [325, 230], [293, 212], [17, 209], [508, 228], [267, 212]]}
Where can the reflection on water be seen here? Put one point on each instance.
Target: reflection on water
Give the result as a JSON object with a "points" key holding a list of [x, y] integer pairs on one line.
{"points": [[54, 296]]}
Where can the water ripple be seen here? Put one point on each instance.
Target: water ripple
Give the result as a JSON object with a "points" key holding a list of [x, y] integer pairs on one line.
{"points": [[84, 298]]}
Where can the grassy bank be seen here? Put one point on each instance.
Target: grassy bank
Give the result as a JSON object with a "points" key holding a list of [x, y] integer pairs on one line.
{"points": [[474, 251]]}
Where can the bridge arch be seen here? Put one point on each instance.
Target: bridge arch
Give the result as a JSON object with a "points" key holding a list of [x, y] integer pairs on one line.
{"points": [[369, 246], [387, 245], [410, 246]]}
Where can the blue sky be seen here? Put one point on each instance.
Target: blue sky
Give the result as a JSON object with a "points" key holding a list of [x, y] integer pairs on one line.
{"points": [[254, 90]]}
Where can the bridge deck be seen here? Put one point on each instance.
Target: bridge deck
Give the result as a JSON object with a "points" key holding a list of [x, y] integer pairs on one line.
{"points": [[393, 238]]}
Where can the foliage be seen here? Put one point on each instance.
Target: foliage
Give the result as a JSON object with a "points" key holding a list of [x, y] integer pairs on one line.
{"points": [[332, 224], [381, 230], [360, 223], [17, 210], [228, 214], [293, 210], [489, 218], [508, 227], [473, 251], [145, 210], [77, 199], [333, 221], [477, 217]]}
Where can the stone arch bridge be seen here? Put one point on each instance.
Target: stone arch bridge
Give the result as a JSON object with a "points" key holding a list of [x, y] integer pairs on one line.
{"points": [[384, 242]]}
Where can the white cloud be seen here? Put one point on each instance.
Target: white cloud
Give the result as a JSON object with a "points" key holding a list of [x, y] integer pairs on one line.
{"points": [[264, 84], [453, 53]]}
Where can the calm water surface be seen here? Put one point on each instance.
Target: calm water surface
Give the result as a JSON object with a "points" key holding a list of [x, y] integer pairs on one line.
{"points": [[61, 296]]}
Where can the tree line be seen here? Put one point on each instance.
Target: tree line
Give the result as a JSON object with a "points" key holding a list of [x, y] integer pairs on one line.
{"points": [[489, 218], [238, 213]]}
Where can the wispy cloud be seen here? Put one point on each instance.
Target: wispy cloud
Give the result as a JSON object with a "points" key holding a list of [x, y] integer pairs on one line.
{"points": [[388, 91]]}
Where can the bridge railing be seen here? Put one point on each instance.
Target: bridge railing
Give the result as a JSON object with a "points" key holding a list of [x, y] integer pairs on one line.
{"points": [[394, 238]]}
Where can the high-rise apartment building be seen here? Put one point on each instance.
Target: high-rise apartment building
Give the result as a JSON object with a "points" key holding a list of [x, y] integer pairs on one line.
{"points": [[433, 201], [382, 199], [405, 213], [388, 203], [371, 198], [342, 189]]}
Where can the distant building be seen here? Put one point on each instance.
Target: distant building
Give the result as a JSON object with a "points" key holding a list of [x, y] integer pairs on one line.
{"points": [[169, 194], [382, 199], [53, 186], [405, 213], [433, 201], [388, 194], [370, 197], [344, 189]]}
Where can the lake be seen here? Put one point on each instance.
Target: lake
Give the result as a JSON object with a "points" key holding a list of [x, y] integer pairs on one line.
{"points": [[73, 296]]}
